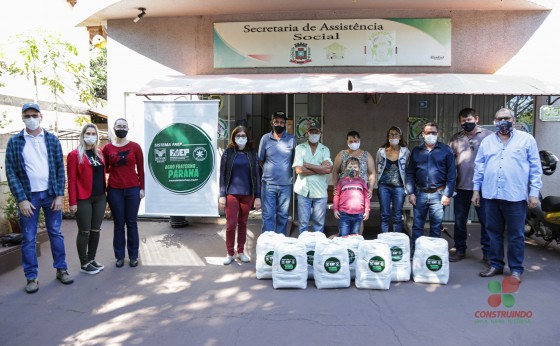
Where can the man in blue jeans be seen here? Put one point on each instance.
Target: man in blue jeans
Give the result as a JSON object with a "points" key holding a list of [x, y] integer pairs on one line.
{"points": [[35, 172], [312, 164], [465, 146], [507, 173], [276, 156], [430, 180]]}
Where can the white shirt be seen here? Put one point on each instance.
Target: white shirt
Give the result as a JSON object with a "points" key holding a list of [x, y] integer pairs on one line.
{"points": [[36, 161]]}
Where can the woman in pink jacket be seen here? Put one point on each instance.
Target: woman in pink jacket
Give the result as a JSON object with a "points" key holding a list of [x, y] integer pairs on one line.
{"points": [[86, 192]]}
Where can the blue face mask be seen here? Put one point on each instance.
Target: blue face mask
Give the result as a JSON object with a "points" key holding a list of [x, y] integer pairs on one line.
{"points": [[504, 127]]}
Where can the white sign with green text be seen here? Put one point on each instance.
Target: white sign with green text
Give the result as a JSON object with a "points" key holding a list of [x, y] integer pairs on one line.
{"points": [[344, 42], [181, 142]]}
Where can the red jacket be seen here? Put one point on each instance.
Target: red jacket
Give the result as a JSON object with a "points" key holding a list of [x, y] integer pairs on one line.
{"points": [[80, 177]]}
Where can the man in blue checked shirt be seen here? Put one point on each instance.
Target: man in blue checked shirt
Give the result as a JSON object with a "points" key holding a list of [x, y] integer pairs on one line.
{"points": [[507, 173], [35, 172], [430, 181]]}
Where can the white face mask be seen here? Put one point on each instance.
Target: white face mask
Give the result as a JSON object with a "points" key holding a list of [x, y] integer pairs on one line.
{"points": [[314, 138], [430, 139], [354, 146], [394, 141], [32, 123], [241, 142], [90, 140]]}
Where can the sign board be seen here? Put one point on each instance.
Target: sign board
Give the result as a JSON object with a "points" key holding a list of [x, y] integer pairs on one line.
{"points": [[182, 160], [549, 113], [344, 42]]}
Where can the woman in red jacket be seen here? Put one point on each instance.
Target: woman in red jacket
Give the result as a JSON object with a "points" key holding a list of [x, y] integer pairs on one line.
{"points": [[86, 192], [125, 165]]}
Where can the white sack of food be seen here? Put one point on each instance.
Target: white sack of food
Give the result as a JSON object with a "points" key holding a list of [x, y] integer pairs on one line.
{"points": [[431, 261], [289, 264], [331, 267], [265, 250], [351, 242], [399, 243], [310, 239], [374, 265]]}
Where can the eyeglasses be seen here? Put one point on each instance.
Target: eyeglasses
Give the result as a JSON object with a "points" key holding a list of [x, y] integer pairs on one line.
{"points": [[277, 123], [471, 144], [240, 136], [503, 118]]}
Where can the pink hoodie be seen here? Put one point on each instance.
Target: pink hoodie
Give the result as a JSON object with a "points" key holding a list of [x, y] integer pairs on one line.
{"points": [[351, 196]]}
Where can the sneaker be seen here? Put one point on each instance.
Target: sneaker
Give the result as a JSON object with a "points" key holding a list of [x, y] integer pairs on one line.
{"points": [[119, 263], [228, 260], [89, 269], [32, 286], [457, 256], [133, 263], [97, 265], [244, 258], [63, 276]]}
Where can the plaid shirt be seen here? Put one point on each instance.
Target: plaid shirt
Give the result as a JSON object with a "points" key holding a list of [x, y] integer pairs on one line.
{"points": [[15, 167]]}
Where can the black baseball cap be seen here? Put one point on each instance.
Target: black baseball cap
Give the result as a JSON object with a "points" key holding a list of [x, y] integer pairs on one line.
{"points": [[279, 114]]}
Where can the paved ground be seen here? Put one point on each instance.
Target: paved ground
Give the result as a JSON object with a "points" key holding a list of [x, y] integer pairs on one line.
{"points": [[182, 295]]}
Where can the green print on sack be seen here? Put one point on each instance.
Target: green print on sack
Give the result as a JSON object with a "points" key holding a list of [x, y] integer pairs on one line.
{"points": [[396, 253], [310, 256], [288, 263], [434, 263], [268, 258], [376, 264], [332, 265], [351, 256], [181, 158]]}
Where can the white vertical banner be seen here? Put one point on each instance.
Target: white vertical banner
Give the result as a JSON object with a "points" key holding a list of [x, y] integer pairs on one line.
{"points": [[182, 159]]}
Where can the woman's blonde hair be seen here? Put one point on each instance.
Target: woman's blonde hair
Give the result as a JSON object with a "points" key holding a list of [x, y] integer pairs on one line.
{"points": [[82, 144]]}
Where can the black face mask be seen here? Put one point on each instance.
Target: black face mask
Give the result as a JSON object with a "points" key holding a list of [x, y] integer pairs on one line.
{"points": [[279, 129], [121, 133], [468, 127]]}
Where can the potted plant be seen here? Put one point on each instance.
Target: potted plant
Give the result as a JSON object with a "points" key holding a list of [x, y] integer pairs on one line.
{"points": [[11, 214]]}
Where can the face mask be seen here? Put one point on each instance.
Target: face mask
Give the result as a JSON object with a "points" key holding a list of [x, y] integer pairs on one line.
{"points": [[351, 172], [279, 129], [314, 138], [32, 123], [241, 142], [121, 133], [90, 140], [354, 146], [430, 139], [504, 127], [394, 141], [468, 127]]}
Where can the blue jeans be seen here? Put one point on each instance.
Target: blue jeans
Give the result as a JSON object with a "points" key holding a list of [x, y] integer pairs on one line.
{"points": [[275, 203], [53, 220], [349, 223], [124, 204], [502, 215], [314, 208], [461, 208], [390, 196], [427, 203]]}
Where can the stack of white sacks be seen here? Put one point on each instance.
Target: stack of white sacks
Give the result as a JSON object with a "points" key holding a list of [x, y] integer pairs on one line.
{"points": [[399, 244], [310, 239], [431, 261], [374, 265], [289, 264], [265, 251], [351, 242]]}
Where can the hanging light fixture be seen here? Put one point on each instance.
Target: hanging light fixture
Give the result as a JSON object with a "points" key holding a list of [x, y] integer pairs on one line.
{"points": [[140, 15]]}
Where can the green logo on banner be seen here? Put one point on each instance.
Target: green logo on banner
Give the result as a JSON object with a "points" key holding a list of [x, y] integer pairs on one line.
{"points": [[288, 263], [181, 158], [376, 264], [332, 265], [434, 263]]}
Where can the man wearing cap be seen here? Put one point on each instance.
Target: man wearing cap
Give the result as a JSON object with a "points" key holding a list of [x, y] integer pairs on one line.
{"points": [[312, 163], [276, 155], [35, 172]]}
